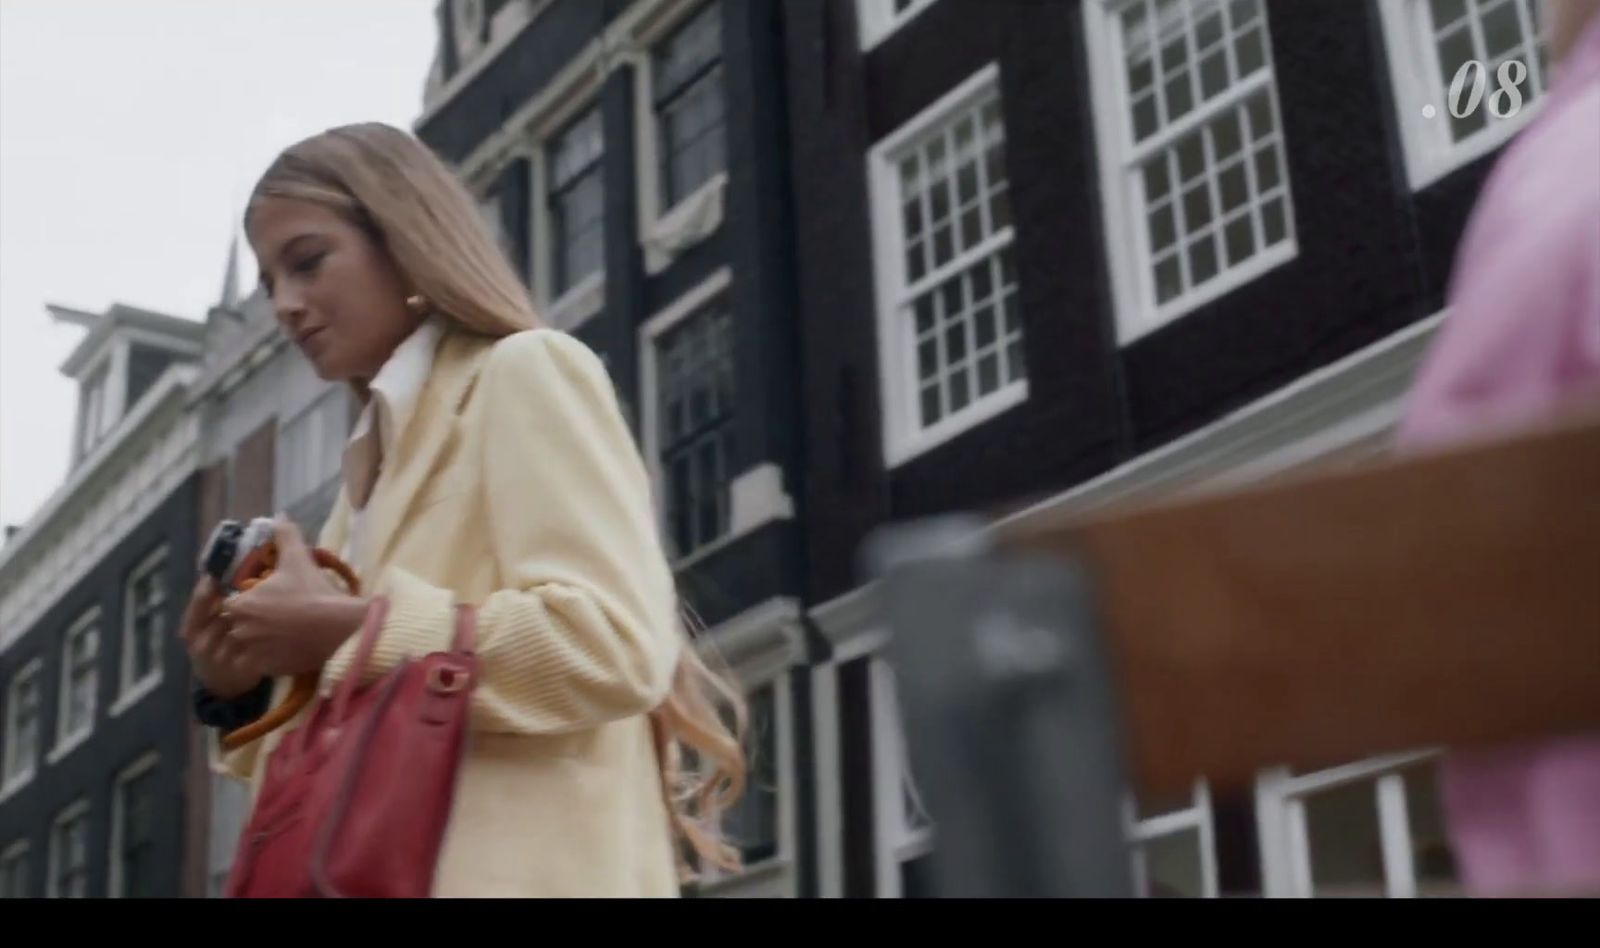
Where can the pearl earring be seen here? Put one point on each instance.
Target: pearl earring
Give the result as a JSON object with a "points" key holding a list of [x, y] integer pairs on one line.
{"points": [[418, 304]]}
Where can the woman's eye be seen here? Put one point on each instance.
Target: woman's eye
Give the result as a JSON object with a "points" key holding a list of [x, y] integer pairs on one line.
{"points": [[309, 263]]}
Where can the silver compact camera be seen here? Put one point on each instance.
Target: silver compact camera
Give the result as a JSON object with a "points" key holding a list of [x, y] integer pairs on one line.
{"points": [[228, 546]]}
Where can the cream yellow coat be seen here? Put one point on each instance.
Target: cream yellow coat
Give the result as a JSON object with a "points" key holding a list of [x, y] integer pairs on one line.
{"points": [[517, 486]]}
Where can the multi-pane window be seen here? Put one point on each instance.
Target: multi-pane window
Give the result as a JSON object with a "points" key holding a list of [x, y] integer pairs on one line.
{"points": [[752, 823], [577, 202], [15, 868], [145, 635], [134, 833], [80, 678], [952, 322], [690, 105], [1205, 148], [1467, 74], [1492, 33], [69, 854], [22, 724], [311, 447], [695, 404]]}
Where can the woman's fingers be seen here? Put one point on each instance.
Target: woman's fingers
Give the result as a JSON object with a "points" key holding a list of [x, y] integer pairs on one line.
{"points": [[203, 604]]}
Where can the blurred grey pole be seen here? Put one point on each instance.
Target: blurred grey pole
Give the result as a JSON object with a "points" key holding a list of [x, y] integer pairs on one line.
{"points": [[1009, 712]]}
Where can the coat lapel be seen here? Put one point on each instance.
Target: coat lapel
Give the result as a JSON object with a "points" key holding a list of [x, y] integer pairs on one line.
{"points": [[433, 429]]}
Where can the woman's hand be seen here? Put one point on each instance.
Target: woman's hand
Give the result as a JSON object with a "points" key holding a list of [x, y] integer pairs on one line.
{"points": [[215, 661], [296, 618]]}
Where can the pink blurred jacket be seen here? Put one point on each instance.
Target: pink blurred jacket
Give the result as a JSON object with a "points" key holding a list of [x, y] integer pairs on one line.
{"points": [[1523, 338]]}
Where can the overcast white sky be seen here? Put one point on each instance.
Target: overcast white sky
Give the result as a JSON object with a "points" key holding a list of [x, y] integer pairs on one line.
{"points": [[130, 134]]}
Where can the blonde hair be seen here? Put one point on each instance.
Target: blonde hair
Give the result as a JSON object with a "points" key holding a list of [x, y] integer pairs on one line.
{"points": [[392, 186]]}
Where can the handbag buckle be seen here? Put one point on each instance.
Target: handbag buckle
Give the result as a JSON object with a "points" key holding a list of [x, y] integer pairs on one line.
{"points": [[446, 679]]}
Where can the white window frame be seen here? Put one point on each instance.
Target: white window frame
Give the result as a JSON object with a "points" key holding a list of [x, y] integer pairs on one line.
{"points": [[689, 304], [903, 436], [1121, 183], [131, 690], [762, 645], [878, 20], [17, 772], [67, 740], [586, 298], [667, 232], [1408, 30], [903, 830], [15, 856], [1284, 830], [73, 811], [138, 768], [1196, 818]]}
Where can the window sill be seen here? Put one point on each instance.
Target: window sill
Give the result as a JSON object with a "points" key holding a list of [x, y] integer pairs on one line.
{"points": [[1435, 164], [1147, 321], [579, 304], [66, 744], [734, 535], [690, 221], [14, 786], [132, 693], [722, 883], [909, 447]]}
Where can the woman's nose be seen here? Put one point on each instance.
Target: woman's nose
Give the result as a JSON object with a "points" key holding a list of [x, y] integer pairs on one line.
{"points": [[290, 306]]}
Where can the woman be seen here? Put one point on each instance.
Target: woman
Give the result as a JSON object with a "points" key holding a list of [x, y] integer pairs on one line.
{"points": [[1522, 342], [490, 465]]}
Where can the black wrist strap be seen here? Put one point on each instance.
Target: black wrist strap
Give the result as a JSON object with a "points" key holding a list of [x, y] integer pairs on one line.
{"points": [[228, 714]]}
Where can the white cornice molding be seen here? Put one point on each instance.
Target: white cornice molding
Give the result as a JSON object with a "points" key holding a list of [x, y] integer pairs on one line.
{"points": [[760, 643], [1351, 405], [108, 495]]}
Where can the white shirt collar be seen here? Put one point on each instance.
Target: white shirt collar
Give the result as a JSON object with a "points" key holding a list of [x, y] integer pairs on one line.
{"points": [[393, 396]]}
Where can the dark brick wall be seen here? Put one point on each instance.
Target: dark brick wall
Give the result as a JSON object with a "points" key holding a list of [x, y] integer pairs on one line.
{"points": [[156, 722], [1373, 257], [524, 67]]}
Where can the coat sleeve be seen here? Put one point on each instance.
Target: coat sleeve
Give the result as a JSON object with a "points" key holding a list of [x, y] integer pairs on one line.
{"points": [[585, 627]]}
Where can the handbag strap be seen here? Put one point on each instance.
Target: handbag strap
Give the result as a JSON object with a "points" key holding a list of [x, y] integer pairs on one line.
{"points": [[466, 629], [377, 612]]}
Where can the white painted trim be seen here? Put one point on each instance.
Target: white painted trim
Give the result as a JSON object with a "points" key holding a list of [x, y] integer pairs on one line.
{"points": [[827, 777], [464, 76], [1413, 58], [15, 774], [776, 876], [1394, 832], [1121, 184], [67, 740], [579, 93], [580, 304], [903, 437], [757, 498], [138, 768], [72, 811], [653, 328], [877, 20], [129, 690], [1269, 431], [172, 382], [1284, 831], [665, 232], [104, 500], [18, 854], [760, 644]]}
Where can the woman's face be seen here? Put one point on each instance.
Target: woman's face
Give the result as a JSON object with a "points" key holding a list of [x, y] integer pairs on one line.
{"points": [[337, 294]]}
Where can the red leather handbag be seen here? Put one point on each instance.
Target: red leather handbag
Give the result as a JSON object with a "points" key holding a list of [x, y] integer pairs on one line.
{"points": [[355, 802]]}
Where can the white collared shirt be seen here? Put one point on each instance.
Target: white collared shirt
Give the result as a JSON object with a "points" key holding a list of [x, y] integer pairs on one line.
{"points": [[393, 398]]}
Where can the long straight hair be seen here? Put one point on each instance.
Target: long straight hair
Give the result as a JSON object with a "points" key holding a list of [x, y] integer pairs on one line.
{"points": [[392, 186]]}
